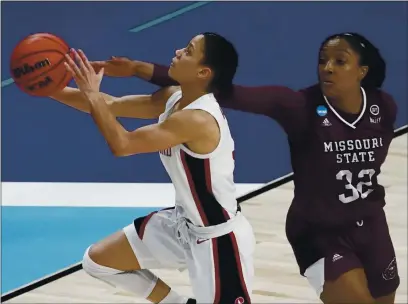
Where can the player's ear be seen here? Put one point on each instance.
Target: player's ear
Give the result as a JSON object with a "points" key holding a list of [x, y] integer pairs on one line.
{"points": [[204, 73], [363, 72]]}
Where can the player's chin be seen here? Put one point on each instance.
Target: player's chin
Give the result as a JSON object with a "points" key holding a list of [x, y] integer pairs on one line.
{"points": [[171, 71], [328, 89]]}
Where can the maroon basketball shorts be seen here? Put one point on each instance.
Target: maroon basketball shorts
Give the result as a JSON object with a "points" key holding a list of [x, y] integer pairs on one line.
{"points": [[326, 255]]}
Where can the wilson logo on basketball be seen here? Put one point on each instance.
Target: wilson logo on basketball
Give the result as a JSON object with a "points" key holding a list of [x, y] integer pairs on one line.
{"points": [[39, 84], [27, 69]]}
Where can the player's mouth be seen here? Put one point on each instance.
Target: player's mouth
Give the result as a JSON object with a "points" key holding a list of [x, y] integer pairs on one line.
{"points": [[327, 82]]}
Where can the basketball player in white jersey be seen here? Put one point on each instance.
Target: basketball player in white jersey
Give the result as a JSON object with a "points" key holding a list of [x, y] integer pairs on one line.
{"points": [[205, 231]]}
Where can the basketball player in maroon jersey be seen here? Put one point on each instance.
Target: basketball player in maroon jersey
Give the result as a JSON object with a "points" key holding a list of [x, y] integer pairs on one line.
{"points": [[336, 224]]}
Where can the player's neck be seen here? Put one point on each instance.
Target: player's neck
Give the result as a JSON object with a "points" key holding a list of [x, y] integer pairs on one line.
{"points": [[350, 102], [190, 93]]}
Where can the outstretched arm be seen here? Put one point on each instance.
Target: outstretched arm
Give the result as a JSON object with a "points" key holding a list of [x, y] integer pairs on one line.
{"points": [[286, 106], [280, 103], [132, 106], [283, 104], [181, 127], [125, 67]]}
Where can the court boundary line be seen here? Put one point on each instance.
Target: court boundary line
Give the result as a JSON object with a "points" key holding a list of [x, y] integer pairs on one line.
{"points": [[78, 266]]}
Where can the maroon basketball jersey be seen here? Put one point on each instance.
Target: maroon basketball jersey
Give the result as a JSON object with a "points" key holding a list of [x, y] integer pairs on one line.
{"points": [[338, 161]]}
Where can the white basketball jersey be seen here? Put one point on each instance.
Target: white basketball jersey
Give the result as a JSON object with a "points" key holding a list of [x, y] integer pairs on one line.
{"points": [[204, 184]]}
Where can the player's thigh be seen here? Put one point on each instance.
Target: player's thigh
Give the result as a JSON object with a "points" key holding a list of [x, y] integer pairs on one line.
{"points": [[388, 299], [378, 257], [339, 278], [123, 249], [114, 252], [154, 242], [351, 287], [222, 269]]}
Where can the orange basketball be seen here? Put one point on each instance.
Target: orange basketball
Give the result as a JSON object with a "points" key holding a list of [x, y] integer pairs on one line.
{"points": [[37, 64]]}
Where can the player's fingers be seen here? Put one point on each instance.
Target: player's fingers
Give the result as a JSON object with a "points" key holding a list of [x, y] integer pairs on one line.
{"points": [[100, 74], [81, 63], [85, 60], [70, 70], [97, 65], [73, 66]]}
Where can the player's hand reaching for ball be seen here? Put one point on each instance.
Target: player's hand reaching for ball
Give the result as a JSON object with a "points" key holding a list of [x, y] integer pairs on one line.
{"points": [[87, 80], [116, 66]]}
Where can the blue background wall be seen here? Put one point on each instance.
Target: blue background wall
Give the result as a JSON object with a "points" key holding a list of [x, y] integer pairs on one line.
{"points": [[278, 41], [44, 141]]}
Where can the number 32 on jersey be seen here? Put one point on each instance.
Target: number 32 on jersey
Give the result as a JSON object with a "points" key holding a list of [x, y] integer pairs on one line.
{"points": [[357, 191]]}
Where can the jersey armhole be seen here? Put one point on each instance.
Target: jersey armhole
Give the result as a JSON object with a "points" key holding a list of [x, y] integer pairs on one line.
{"points": [[220, 142]]}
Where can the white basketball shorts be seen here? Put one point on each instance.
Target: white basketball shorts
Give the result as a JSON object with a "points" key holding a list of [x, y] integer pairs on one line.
{"points": [[221, 268]]}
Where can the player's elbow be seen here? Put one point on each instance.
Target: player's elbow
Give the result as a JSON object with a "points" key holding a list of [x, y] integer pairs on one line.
{"points": [[131, 143], [119, 146], [119, 150], [123, 147]]}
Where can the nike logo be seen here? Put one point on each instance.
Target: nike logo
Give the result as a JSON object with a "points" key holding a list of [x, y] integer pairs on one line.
{"points": [[202, 241]]}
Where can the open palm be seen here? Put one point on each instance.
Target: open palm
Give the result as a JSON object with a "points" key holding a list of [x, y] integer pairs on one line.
{"points": [[87, 80]]}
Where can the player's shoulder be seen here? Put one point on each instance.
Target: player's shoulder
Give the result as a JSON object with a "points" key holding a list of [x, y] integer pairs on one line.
{"points": [[381, 96], [312, 95], [192, 120]]}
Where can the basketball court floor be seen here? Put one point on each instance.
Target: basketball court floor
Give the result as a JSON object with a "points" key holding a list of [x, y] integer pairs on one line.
{"points": [[277, 279]]}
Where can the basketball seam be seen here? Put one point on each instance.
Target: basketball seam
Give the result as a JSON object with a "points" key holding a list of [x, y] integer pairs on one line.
{"points": [[57, 40], [65, 45], [36, 53]]}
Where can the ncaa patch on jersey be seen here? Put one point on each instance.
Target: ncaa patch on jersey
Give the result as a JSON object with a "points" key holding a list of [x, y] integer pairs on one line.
{"points": [[321, 111]]}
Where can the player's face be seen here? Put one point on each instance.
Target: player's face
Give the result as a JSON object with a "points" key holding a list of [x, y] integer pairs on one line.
{"points": [[339, 68], [186, 66]]}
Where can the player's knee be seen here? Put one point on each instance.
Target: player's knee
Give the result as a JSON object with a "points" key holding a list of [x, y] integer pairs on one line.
{"points": [[96, 254], [101, 254], [87, 262], [94, 269]]}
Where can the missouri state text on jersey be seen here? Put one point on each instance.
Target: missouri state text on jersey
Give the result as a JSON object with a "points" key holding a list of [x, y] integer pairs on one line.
{"points": [[354, 151]]}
